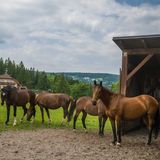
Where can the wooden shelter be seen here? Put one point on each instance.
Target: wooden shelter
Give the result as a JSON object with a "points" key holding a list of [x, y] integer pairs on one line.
{"points": [[6, 79], [140, 72]]}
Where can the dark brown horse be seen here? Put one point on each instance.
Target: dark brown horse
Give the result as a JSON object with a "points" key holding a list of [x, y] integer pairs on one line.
{"points": [[48, 101], [84, 105], [119, 107], [16, 97]]}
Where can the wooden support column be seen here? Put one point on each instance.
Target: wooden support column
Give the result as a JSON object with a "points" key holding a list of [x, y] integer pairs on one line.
{"points": [[124, 73], [139, 66], [120, 80]]}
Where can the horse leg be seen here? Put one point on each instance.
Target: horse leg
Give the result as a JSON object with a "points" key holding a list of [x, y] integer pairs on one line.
{"points": [[103, 124], [65, 113], [14, 114], [34, 114], [145, 120], [83, 120], [24, 113], [118, 120], [49, 120], [150, 128], [100, 125], [8, 113], [113, 130], [75, 119], [42, 114]]}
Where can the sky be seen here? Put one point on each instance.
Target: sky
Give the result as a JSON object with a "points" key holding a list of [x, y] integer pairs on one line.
{"points": [[73, 35]]}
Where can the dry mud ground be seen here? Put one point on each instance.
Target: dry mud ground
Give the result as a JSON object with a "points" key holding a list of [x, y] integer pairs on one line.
{"points": [[62, 144]]}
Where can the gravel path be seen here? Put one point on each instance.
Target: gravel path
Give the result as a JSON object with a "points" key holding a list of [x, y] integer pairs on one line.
{"points": [[58, 144]]}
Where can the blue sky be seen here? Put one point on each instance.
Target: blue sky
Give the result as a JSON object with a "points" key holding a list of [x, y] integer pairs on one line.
{"points": [[73, 35]]}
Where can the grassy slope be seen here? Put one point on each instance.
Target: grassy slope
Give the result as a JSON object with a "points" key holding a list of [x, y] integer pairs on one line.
{"points": [[56, 117]]}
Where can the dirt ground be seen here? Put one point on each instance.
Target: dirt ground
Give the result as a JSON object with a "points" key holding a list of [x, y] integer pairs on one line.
{"points": [[58, 144]]}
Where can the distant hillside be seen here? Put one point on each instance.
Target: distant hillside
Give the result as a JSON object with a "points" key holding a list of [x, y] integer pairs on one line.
{"points": [[107, 78]]}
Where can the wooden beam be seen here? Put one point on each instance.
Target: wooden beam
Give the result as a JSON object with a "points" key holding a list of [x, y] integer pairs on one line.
{"points": [[144, 43], [120, 79], [143, 51], [145, 60], [124, 73]]}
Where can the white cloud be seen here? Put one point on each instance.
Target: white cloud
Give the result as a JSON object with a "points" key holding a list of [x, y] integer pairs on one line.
{"points": [[73, 35]]}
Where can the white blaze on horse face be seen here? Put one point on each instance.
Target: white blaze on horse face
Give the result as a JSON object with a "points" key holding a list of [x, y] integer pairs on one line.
{"points": [[15, 122], [96, 93]]}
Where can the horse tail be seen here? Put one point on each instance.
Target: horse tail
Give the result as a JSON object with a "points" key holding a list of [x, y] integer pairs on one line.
{"points": [[32, 101], [157, 122], [32, 98], [72, 106]]}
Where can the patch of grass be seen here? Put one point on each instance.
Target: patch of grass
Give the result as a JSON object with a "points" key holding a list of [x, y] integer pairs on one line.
{"points": [[56, 118]]}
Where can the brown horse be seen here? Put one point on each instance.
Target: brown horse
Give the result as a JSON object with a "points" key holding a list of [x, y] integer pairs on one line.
{"points": [[119, 107], [48, 101], [16, 97], [84, 105]]}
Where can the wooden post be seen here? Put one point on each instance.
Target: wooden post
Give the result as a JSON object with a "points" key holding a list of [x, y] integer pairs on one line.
{"points": [[124, 73], [120, 80]]}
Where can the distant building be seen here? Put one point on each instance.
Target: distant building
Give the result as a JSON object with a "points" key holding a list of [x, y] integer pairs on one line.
{"points": [[6, 79]]}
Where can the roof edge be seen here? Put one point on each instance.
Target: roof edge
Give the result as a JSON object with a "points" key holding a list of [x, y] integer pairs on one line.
{"points": [[136, 37]]}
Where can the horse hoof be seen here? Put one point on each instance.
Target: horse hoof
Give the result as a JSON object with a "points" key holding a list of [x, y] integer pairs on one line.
{"points": [[86, 131], [14, 124], [118, 144], [156, 136], [101, 134], [149, 143], [112, 144], [49, 122], [32, 121], [74, 130]]}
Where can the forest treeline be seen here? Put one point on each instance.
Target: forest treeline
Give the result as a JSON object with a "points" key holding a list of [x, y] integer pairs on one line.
{"points": [[39, 81]]}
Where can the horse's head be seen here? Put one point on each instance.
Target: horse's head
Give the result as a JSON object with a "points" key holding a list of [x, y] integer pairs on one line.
{"points": [[30, 112], [6, 92], [3, 97], [97, 92]]}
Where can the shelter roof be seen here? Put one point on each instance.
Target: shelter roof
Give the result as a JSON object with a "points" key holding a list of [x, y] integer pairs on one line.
{"points": [[138, 42]]}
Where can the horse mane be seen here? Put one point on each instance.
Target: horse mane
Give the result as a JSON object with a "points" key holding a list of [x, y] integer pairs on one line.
{"points": [[107, 95]]}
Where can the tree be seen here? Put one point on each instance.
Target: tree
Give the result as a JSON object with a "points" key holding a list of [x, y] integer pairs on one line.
{"points": [[43, 82], [115, 87], [80, 89], [2, 66], [61, 84]]}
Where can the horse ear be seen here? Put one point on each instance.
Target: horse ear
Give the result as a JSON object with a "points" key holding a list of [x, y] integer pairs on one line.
{"points": [[100, 83], [95, 83]]}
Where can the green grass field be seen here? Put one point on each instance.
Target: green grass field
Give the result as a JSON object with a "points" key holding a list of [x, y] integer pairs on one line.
{"points": [[56, 117]]}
